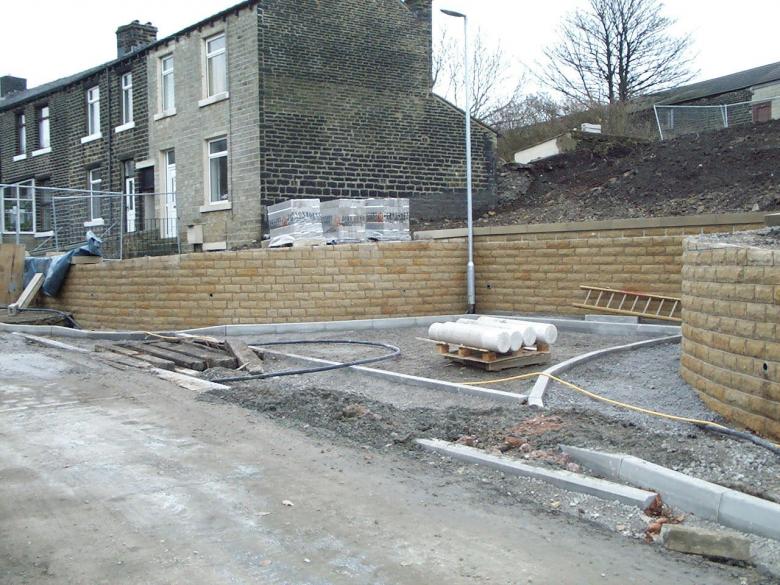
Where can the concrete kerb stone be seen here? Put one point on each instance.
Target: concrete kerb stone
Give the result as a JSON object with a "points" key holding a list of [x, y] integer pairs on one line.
{"points": [[536, 397], [597, 327], [563, 479], [708, 543], [690, 494], [410, 380]]}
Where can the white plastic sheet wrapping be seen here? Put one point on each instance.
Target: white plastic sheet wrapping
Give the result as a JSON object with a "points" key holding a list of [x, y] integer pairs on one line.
{"points": [[343, 220], [297, 222], [387, 219]]}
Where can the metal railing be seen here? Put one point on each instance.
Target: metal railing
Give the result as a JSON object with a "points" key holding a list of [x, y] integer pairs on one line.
{"points": [[673, 121]]}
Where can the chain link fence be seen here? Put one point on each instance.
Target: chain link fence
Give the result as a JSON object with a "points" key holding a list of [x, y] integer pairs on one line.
{"points": [[674, 121]]}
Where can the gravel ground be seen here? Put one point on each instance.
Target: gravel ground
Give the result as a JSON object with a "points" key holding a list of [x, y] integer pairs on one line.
{"points": [[768, 238], [419, 358]]}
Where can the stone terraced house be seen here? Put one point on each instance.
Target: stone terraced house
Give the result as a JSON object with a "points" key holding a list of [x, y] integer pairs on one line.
{"points": [[265, 101]]}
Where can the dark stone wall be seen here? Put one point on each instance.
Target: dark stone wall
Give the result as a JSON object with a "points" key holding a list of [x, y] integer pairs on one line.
{"points": [[347, 109], [68, 163]]}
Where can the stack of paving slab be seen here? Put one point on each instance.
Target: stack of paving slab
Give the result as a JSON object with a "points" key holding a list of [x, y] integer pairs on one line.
{"points": [[343, 221], [387, 220], [297, 222], [302, 222]]}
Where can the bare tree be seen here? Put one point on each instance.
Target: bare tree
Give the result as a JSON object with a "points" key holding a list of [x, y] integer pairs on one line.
{"points": [[491, 72], [614, 50]]}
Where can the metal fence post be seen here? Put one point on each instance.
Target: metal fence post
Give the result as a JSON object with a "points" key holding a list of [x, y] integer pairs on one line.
{"points": [[658, 121]]}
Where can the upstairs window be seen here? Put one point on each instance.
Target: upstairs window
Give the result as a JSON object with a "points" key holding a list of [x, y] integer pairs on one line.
{"points": [[21, 133], [216, 65], [167, 97], [94, 183], [93, 111], [218, 170], [127, 98], [44, 134]]}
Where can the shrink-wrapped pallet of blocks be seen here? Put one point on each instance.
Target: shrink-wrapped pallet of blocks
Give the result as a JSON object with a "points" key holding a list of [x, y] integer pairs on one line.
{"points": [[297, 222], [387, 219], [343, 221]]}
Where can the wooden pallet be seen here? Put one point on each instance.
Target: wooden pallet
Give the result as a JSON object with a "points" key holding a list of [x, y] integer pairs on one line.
{"points": [[492, 361]]}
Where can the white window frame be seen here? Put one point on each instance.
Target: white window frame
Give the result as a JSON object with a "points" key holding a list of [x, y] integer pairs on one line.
{"points": [[220, 201], [165, 73], [211, 56], [94, 185], [93, 111], [21, 133], [44, 128], [126, 84], [15, 191]]}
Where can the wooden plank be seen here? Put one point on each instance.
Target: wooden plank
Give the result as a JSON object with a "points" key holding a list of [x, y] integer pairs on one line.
{"points": [[247, 359], [86, 259], [11, 272], [30, 291], [131, 353], [213, 359], [174, 356], [519, 361]]}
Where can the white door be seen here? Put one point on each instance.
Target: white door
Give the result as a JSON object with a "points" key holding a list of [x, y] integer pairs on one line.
{"points": [[130, 203], [169, 226]]}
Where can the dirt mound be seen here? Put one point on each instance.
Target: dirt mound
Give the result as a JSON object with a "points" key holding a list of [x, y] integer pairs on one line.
{"points": [[731, 170]]}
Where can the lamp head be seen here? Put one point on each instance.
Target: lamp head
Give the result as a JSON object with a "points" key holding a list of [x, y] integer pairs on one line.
{"points": [[453, 13]]}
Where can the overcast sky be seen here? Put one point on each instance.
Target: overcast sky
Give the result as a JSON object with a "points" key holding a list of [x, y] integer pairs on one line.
{"points": [[43, 40]]}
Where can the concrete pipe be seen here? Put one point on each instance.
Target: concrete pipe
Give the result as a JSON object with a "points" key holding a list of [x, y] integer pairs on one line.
{"points": [[528, 333], [516, 339], [478, 336], [545, 332]]}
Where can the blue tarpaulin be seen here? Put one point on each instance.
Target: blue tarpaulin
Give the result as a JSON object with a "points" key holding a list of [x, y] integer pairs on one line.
{"points": [[55, 268]]}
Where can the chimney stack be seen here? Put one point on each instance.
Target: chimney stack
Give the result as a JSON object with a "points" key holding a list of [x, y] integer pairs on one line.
{"points": [[10, 84], [134, 36]]}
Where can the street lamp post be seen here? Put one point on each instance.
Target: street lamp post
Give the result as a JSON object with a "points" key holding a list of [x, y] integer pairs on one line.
{"points": [[470, 286]]}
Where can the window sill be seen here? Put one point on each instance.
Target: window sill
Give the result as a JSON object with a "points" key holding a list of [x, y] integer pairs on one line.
{"points": [[95, 223], [44, 234], [92, 138], [215, 246], [217, 206], [19, 157], [166, 114], [123, 127], [213, 99], [20, 233], [41, 151]]}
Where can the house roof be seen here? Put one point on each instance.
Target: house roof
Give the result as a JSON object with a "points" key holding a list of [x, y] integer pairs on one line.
{"points": [[721, 85], [21, 97]]}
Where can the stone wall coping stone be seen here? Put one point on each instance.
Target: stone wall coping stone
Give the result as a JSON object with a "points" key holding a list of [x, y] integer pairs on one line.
{"points": [[600, 225]]}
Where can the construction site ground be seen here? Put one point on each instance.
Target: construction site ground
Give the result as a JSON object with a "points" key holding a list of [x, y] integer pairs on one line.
{"points": [[352, 437]]}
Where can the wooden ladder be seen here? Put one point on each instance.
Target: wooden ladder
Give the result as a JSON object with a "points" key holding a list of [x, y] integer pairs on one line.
{"points": [[625, 302]]}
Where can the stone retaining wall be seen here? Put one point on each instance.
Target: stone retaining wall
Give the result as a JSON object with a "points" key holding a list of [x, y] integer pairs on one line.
{"points": [[731, 314], [520, 269]]}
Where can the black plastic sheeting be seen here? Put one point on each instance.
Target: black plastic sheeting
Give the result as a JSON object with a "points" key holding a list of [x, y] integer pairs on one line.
{"points": [[55, 268]]}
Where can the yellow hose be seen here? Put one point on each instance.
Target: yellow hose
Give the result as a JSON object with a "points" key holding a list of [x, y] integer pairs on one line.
{"points": [[694, 421]]}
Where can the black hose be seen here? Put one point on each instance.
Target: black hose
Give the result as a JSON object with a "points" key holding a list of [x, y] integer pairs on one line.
{"points": [[66, 316], [745, 436], [394, 352]]}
